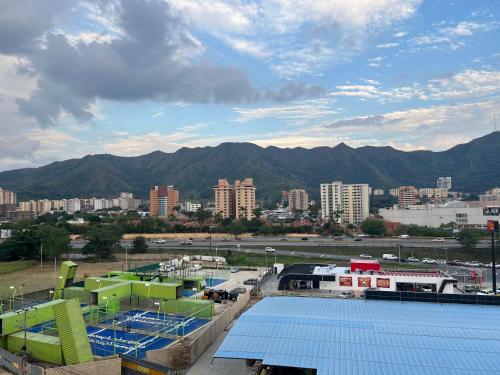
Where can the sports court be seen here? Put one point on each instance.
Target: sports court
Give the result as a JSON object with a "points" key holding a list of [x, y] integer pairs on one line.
{"points": [[105, 342], [157, 322]]}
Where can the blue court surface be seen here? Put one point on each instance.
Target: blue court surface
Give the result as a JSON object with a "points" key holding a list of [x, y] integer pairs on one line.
{"points": [[214, 282], [177, 325], [106, 342]]}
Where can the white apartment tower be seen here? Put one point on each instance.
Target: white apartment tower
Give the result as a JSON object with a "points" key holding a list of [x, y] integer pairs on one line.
{"points": [[347, 204], [444, 183]]}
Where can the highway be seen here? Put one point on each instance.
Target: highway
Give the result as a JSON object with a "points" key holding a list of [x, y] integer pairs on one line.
{"points": [[200, 244]]}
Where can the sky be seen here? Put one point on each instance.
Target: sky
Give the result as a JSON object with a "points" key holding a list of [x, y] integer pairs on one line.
{"points": [[128, 77]]}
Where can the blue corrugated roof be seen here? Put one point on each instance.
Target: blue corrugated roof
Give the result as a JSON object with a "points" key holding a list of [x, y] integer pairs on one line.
{"points": [[339, 337]]}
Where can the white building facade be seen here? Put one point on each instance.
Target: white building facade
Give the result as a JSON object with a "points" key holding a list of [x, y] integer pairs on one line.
{"points": [[345, 203]]}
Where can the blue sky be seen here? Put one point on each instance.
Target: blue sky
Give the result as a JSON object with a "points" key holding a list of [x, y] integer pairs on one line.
{"points": [[130, 77]]}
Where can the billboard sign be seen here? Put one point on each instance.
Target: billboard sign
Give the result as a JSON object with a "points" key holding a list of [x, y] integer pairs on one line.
{"points": [[492, 226], [491, 211], [383, 283], [345, 281], [364, 282]]}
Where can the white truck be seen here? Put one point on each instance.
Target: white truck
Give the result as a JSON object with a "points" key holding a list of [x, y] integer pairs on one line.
{"points": [[389, 257]]}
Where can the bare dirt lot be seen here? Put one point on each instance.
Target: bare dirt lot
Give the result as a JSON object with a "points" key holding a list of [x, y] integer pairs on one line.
{"points": [[35, 278]]}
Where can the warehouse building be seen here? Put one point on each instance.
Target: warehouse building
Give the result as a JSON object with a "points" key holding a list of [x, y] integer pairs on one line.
{"points": [[323, 336]]}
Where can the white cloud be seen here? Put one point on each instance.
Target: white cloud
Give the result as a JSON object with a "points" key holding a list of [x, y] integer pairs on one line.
{"points": [[296, 113], [248, 47], [400, 34], [387, 45], [375, 62]]}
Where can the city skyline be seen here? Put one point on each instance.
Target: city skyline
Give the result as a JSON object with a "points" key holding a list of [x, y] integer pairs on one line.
{"points": [[161, 75]]}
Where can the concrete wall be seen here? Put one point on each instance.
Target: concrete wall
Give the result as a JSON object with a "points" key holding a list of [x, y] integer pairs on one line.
{"points": [[105, 367], [186, 351]]}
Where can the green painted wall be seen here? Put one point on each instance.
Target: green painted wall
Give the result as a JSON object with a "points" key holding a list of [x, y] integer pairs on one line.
{"points": [[67, 274], [77, 292], [72, 333], [12, 322], [156, 290], [41, 347], [123, 275], [197, 282], [92, 283], [191, 307], [112, 292]]}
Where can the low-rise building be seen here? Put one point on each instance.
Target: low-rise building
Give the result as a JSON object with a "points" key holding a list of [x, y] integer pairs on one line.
{"points": [[378, 192], [457, 212]]}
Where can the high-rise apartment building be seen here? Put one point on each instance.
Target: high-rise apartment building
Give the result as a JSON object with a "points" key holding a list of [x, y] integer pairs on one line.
{"points": [[163, 200], [345, 203], [444, 183], [235, 201], [298, 199], [7, 197], [224, 199], [407, 196], [244, 198], [378, 192]]}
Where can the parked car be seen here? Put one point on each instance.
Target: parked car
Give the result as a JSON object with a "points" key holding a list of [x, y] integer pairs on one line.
{"points": [[455, 262], [269, 249], [403, 260], [234, 269], [426, 289], [440, 239], [365, 256], [389, 257], [473, 263], [161, 240], [347, 294], [485, 292], [413, 259], [429, 261], [470, 288], [250, 282]]}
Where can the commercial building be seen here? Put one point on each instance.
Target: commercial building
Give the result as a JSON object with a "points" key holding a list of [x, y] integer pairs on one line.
{"points": [[345, 203], [443, 182], [298, 199], [363, 274], [407, 196], [457, 212], [235, 201], [163, 200], [325, 336]]}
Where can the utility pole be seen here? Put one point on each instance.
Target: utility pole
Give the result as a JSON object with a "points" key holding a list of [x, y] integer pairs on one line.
{"points": [[41, 256], [492, 227]]}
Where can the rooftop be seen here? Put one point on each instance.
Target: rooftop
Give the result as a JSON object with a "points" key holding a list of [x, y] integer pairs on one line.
{"points": [[367, 337]]}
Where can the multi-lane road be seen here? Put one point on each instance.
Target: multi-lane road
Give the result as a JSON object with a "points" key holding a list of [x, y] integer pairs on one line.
{"points": [[311, 242]]}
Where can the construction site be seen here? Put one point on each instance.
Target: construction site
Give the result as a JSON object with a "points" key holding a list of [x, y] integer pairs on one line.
{"points": [[157, 318]]}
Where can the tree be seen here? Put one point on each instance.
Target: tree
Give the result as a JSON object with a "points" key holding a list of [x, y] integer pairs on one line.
{"points": [[313, 211], [54, 240], [236, 227], [297, 213], [139, 245], [468, 238], [373, 227], [24, 244], [257, 212], [103, 239], [202, 215]]}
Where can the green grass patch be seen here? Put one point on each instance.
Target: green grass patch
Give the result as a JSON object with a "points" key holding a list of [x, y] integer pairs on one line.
{"points": [[8, 267]]}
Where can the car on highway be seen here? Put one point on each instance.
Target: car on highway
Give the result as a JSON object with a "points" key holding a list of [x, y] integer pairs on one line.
{"points": [[161, 240], [413, 260], [365, 256], [269, 249], [347, 294], [389, 257], [474, 263], [305, 238], [358, 239], [187, 242], [404, 236], [429, 261], [439, 239], [337, 238]]}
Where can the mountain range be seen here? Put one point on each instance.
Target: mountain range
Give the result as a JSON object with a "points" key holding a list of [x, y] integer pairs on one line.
{"points": [[474, 167]]}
